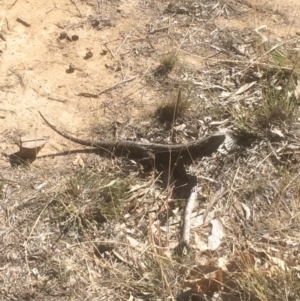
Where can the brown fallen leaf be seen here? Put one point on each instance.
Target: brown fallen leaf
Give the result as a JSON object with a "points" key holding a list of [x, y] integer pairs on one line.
{"points": [[78, 161], [205, 279], [29, 147]]}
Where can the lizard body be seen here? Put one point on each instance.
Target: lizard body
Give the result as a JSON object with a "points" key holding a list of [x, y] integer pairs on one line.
{"points": [[162, 153]]}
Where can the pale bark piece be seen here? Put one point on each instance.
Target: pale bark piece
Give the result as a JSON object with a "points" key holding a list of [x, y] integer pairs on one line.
{"points": [[217, 233], [187, 216]]}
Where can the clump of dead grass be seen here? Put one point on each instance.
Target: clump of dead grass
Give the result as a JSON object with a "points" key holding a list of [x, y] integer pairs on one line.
{"points": [[104, 196], [277, 100], [278, 108], [267, 285], [167, 64]]}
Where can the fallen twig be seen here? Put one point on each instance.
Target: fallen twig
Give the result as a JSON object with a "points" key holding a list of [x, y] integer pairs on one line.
{"points": [[79, 12], [92, 95], [57, 99], [23, 22], [175, 114], [127, 38], [159, 30]]}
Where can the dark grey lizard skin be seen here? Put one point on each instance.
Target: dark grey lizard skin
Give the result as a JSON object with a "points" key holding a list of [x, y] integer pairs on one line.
{"points": [[162, 153]]}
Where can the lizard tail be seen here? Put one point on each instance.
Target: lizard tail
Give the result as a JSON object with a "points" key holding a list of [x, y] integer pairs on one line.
{"points": [[66, 135]]}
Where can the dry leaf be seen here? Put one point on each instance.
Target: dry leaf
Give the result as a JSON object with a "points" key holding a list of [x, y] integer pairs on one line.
{"points": [[246, 210], [130, 298], [205, 279], [134, 243], [297, 91], [244, 88], [33, 142], [278, 262], [78, 161], [197, 219], [30, 146], [217, 233], [277, 132], [201, 245]]}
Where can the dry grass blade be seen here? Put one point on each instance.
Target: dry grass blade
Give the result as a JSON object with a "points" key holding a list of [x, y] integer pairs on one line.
{"points": [[212, 201]]}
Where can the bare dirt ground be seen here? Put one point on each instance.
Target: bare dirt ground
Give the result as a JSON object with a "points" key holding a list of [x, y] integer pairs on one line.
{"points": [[59, 58], [34, 59]]}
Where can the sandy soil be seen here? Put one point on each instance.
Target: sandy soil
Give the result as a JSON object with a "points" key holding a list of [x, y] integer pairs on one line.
{"points": [[35, 61], [34, 64]]}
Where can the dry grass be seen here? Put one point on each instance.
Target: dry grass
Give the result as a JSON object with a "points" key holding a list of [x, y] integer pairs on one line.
{"points": [[110, 231], [167, 64], [278, 102]]}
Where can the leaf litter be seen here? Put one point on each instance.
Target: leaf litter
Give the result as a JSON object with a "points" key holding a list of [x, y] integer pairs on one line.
{"points": [[89, 224]]}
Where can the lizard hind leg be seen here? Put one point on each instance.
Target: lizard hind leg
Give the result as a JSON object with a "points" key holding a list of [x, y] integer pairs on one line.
{"points": [[146, 159]]}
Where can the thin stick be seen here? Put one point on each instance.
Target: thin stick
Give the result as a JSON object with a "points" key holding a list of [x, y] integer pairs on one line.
{"points": [[117, 85], [73, 2], [175, 113], [87, 94], [127, 38], [57, 99]]}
